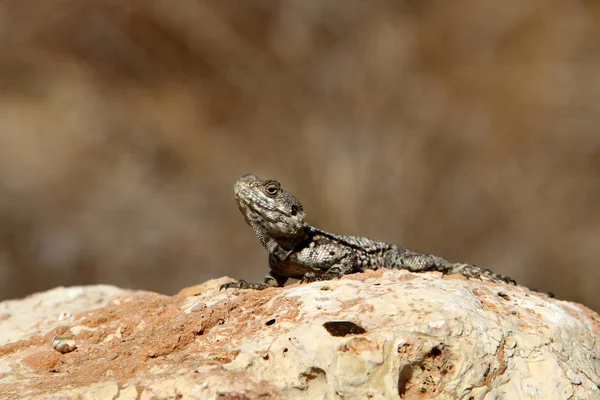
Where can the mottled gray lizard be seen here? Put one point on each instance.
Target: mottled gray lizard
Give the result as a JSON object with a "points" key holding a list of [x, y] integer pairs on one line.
{"points": [[299, 250]]}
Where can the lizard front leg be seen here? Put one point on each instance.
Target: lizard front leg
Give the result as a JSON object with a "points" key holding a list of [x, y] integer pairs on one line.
{"points": [[271, 280]]}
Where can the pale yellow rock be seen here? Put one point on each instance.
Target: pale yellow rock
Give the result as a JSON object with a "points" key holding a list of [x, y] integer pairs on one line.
{"points": [[128, 393], [40, 312], [384, 335]]}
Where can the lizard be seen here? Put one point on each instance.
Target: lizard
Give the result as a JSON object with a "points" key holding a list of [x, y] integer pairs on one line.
{"points": [[301, 251]]}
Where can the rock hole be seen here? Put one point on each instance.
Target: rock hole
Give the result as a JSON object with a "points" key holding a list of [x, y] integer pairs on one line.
{"points": [[503, 296], [487, 371], [314, 372], [435, 352], [343, 328], [270, 322], [404, 377]]}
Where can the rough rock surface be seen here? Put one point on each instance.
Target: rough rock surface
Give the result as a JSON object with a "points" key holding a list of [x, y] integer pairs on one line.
{"points": [[379, 335]]}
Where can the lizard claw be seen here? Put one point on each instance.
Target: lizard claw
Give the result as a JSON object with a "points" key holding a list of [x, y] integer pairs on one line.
{"points": [[236, 285], [497, 278], [242, 284], [308, 277]]}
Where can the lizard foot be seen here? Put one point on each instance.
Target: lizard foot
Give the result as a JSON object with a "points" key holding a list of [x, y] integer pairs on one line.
{"points": [[243, 285], [471, 271], [497, 278], [312, 277], [503, 279], [309, 277]]}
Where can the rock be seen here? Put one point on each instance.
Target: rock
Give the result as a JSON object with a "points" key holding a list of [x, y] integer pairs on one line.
{"points": [[22, 319], [379, 335]]}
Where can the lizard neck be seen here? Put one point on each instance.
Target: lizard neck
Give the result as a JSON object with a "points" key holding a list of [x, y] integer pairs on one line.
{"points": [[285, 242], [290, 242]]}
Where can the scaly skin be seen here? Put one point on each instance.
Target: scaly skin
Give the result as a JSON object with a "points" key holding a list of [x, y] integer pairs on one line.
{"points": [[298, 250]]}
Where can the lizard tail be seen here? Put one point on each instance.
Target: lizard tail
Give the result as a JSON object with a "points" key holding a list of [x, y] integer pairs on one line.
{"points": [[415, 262]]}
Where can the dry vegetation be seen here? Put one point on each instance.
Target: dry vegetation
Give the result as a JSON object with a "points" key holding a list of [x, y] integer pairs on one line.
{"points": [[465, 129]]}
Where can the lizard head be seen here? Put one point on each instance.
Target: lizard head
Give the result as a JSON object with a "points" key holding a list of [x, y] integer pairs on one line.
{"points": [[272, 212]]}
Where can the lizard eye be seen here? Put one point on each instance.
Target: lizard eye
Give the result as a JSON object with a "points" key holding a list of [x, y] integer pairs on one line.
{"points": [[272, 189]]}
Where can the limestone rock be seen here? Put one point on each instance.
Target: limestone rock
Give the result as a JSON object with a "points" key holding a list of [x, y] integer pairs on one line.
{"points": [[379, 335]]}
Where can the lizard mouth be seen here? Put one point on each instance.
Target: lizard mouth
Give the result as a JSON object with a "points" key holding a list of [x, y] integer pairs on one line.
{"points": [[245, 202], [237, 188]]}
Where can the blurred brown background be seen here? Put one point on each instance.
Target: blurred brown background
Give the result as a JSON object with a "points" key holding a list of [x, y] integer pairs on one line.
{"points": [[465, 129]]}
